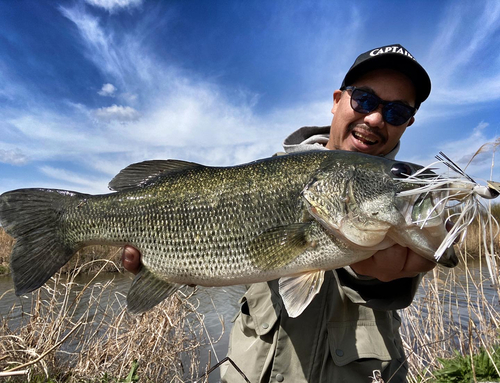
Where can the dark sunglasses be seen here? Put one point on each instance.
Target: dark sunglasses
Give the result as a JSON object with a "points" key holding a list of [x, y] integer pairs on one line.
{"points": [[394, 113]]}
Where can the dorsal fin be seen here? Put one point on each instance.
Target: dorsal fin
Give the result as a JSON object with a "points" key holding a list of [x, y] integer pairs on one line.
{"points": [[139, 174]]}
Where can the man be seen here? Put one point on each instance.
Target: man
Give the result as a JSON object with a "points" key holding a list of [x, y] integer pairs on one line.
{"points": [[351, 329]]}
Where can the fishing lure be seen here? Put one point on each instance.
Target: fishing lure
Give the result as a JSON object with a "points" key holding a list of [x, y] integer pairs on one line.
{"points": [[461, 196]]}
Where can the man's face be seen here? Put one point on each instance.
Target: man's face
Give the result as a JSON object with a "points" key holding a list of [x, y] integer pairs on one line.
{"points": [[369, 133]]}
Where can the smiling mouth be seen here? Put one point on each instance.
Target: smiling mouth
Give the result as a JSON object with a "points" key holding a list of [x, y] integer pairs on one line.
{"points": [[367, 140]]}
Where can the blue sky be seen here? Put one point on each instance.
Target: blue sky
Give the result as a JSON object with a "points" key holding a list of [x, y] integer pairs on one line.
{"points": [[90, 86]]}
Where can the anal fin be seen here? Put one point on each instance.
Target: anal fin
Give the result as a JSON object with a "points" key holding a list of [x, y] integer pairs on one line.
{"points": [[298, 291], [147, 291]]}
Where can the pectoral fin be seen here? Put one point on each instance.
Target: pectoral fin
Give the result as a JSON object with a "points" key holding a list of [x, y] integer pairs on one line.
{"points": [[298, 291], [279, 246], [147, 291]]}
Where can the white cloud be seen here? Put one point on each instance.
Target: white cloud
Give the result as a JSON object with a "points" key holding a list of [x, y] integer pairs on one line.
{"points": [[13, 157], [99, 45], [114, 5], [176, 108], [75, 180], [107, 90], [129, 97], [117, 113]]}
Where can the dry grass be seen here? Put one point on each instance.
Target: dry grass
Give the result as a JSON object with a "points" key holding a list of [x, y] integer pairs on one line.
{"points": [[475, 239], [6, 243], [83, 333], [455, 310]]}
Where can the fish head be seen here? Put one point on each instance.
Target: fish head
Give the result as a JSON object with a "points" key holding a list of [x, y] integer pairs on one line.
{"points": [[356, 198]]}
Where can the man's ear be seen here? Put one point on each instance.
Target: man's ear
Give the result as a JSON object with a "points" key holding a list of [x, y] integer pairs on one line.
{"points": [[336, 99], [412, 120]]}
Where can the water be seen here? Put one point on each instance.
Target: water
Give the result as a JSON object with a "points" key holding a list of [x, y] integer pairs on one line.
{"points": [[462, 288], [217, 306], [221, 304]]}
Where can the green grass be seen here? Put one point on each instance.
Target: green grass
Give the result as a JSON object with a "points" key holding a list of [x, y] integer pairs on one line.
{"points": [[132, 377], [481, 367]]}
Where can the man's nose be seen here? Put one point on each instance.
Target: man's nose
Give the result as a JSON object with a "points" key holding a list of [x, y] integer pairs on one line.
{"points": [[375, 118]]}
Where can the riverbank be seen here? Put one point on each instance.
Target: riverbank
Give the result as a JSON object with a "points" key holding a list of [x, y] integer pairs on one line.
{"points": [[454, 311], [76, 329]]}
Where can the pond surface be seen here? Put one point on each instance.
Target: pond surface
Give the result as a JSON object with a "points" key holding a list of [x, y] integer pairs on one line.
{"points": [[216, 305]]}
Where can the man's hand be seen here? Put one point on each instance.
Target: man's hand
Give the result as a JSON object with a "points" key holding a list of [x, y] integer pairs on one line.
{"points": [[393, 263], [131, 259]]}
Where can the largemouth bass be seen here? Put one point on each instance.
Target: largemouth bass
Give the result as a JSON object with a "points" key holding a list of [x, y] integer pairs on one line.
{"points": [[289, 217]]}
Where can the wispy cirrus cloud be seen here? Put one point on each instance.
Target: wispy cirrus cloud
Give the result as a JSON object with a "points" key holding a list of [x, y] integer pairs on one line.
{"points": [[463, 60], [97, 42], [117, 113], [14, 157], [171, 108], [115, 5]]}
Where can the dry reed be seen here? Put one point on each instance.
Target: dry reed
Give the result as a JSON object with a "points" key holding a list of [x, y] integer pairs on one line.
{"points": [[74, 333], [455, 309], [6, 243]]}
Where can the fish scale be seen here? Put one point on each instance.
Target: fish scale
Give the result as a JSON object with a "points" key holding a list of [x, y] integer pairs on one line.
{"points": [[281, 217], [190, 224]]}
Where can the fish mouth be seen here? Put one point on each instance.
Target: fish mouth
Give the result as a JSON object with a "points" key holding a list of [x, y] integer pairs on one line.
{"points": [[426, 227], [424, 210]]}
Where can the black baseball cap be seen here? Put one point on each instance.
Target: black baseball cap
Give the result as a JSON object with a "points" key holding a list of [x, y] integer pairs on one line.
{"points": [[393, 57]]}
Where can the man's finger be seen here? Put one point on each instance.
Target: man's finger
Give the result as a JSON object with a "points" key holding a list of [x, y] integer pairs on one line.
{"points": [[131, 259]]}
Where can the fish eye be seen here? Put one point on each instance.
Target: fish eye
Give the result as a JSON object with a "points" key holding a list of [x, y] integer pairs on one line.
{"points": [[402, 170]]}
